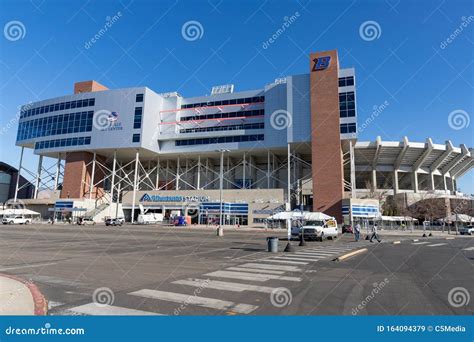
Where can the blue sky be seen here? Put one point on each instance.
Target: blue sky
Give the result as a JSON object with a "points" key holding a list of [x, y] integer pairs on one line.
{"points": [[409, 63]]}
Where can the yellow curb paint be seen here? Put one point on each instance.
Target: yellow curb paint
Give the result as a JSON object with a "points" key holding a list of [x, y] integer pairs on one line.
{"points": [[351, 254]]}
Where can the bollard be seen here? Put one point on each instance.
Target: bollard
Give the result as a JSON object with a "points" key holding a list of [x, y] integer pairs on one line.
{"points": [[272, 244], [289, 248], [302, 243], [220, 232]]}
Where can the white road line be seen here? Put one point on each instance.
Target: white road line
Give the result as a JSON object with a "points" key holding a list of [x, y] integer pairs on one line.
{"points": [[420, 243], [294, 258], [250, 276], [95, 310], [286, 262], [254, 270], [6, 268], [205, 302], [272, 267], [224, 285], [437, 245], [53, 304], [469, 249], [314, 254]]}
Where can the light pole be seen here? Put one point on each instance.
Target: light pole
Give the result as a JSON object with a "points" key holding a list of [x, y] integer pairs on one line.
{"points": [[221, 185]]}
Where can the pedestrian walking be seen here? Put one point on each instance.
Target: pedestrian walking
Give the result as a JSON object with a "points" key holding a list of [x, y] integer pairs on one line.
{"points": [[375, 233], [357, 231]]}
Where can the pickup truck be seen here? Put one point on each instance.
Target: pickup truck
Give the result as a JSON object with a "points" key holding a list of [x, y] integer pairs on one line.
{"points": [[16, 219], [316, 230]]}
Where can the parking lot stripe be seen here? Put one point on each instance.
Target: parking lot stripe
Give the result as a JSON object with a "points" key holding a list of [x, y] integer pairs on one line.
{"points": [[272, 267], [7, 268], [420, 243], [254, 270], [96, 310], [469, 249], [437, 245], [250, 276], [286, 261], [224, 285], [290, 257], [205, 302]]}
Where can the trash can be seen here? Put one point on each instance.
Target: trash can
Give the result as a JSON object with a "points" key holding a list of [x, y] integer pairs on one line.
{"points": [[272, 243]]}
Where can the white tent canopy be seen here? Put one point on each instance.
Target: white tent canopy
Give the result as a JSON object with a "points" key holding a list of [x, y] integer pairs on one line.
{"points": [[305, 215], [398, 218], [458, 218], [25, 212]]}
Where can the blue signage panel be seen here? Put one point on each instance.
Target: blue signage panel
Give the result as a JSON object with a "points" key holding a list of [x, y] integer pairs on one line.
{"points": [[321, 63]]}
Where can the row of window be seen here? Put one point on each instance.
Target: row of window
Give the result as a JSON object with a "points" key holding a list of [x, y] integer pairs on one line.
{"points": [[347, 104], [346, 81], [57, 106], [257, 112], [242, 100], [79, 141], [137, 118], [258, 125], [348, 128], [57, 124], [139, 98], [220, 140]]}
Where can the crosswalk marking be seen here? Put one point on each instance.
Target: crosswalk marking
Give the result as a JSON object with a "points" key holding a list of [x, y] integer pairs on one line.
{"points": [[437, 245], [211, 303], [469, 249], [314, 254], [272, 267], [250, 276], [96, 310], [420, 243], [254, 270], [224, 285], [289, 257], [286, 261]]}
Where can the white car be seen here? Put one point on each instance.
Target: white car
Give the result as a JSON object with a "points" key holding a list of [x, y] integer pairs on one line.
{"points": [[469, 230], [16, 219], [317, 230]]}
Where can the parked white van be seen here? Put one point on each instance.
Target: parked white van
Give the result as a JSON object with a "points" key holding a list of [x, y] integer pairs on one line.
{"points": [[151, 218]]}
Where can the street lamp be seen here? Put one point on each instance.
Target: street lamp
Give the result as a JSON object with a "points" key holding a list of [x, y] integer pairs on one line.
{"points": [[221, 185]]}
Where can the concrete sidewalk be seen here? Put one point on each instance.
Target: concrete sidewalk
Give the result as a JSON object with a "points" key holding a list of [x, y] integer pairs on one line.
{"points": [[20, 297]]}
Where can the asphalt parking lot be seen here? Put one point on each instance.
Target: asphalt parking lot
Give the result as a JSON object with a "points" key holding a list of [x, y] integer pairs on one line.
{"points": [[175, 271]]}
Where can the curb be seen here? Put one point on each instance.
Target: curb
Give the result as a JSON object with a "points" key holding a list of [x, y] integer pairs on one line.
{"points": [[41, 304], [351, 254]]}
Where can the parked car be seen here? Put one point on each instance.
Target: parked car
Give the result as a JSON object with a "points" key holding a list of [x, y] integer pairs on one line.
{"points": [[469, 230], [115, 221], [151, 218], [16, 219], [347, 228], [316, 230], [85, 221]]}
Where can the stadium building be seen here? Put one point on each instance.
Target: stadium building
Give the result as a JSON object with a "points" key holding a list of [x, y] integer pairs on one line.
{"points": [[290, 144]]}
